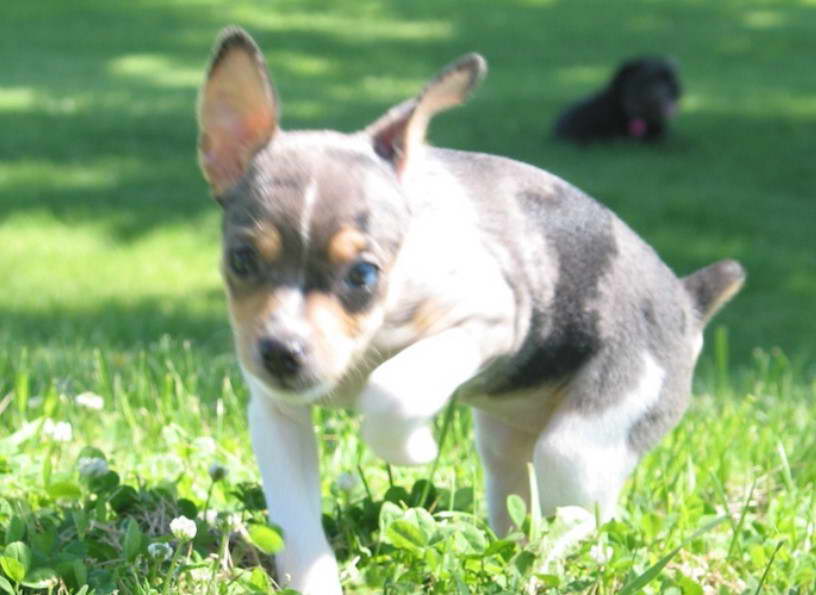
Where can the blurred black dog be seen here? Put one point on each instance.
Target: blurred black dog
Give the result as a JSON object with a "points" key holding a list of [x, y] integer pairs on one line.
{"points": [[636, 103]]}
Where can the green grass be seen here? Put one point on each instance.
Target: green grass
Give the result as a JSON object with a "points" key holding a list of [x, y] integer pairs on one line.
{"points": [[109, 250]]}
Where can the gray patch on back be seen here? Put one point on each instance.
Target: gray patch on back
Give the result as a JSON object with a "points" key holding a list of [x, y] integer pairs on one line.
{"points": [[601, 297], [564, 333], [557, 246]]}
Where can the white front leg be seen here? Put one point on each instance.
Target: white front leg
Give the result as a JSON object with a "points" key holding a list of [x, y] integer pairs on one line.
{"points": [[284, 442], [404, 393]]}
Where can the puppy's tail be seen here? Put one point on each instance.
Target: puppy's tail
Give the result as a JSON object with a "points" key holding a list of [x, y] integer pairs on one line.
{"points": [[712, 286]]}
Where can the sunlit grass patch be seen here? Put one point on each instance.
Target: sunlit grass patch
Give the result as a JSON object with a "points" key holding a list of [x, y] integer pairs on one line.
{"points": [[155, 69], [169, 261], [370, 23], [16, 98]]}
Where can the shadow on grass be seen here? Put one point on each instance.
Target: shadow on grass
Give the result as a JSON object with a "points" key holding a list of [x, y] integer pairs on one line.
{"points": [[97, 106], [114, 86], [122, 325]]}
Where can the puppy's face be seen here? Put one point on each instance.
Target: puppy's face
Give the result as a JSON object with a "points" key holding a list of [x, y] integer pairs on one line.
{"points": [[313, 221], [649, 88], [310, 236]]}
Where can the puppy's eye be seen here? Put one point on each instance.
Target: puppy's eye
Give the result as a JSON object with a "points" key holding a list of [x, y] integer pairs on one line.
{"points": [[243, 261], [362, 275]]}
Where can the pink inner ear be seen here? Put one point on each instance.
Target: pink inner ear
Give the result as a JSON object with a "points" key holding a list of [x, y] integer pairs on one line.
{"points": [[384, 144], [390, 144], [221, 164], [389, 134], [237, 118]]}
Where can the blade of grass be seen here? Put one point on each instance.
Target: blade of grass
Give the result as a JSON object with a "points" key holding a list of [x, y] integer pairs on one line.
{"points": [[768, 568], [22, 384], [446, 422], [102, 373], [655, 569], [721, 357], [723, 500], [4, 402], [741, 521], [787, 476], [365, 482]]}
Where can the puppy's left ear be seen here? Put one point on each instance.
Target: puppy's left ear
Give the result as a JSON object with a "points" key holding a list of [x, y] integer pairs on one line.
{"points": [[401, 131], [237, 110]]}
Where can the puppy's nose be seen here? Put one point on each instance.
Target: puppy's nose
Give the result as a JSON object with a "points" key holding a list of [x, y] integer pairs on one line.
{"points": [[282, 358]]}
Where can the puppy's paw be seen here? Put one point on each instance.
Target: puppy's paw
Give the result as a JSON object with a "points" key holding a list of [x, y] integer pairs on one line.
{"points": [[320, 578], [420, 446], [400, 445]]}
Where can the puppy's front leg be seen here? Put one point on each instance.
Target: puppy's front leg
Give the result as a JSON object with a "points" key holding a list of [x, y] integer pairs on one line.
{"points": [[404, 393], [285, 446]]}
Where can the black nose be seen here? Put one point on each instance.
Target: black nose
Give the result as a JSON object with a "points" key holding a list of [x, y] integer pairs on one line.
{"points": [[282, 358]]}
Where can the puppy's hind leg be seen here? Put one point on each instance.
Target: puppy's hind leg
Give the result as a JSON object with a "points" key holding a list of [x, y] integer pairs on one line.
{"points": [[584, 456], [505, 452]]}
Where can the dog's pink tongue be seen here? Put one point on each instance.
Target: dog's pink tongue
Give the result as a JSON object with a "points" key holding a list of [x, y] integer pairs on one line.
{"points": [[637, 127]]}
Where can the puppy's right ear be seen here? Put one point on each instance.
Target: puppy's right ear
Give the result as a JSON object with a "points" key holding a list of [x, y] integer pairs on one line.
{"points": [[237, 110], [401, 131]]}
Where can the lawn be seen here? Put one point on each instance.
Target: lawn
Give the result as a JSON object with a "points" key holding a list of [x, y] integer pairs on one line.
{"points": [[109, 256]]}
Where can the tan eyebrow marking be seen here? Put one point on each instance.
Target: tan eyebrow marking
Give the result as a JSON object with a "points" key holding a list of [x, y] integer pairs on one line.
{"points": [[267, 241], [345, 245]]}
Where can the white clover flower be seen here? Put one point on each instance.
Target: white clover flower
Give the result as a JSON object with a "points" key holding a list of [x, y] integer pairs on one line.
{"points": [[171, 434], [90, 400], [173, 465], [60, 431], [205, 446], [160, 551], [601, 553], [217, 471], [182, 528], [92, 466], [223, 520], [346, 482]]}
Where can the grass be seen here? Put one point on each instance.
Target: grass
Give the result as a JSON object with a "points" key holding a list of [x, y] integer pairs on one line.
{"points": [[742, 456], [109, 261]]}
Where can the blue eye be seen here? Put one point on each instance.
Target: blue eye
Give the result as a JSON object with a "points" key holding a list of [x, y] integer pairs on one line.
{"points": [[363, 275]]}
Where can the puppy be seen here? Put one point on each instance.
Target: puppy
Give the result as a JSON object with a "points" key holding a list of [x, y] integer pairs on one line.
{"points": [[369, 270], [637, 103]]}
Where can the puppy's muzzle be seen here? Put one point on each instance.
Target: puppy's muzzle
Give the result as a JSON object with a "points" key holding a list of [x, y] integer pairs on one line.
{"points": [[283, 358]]}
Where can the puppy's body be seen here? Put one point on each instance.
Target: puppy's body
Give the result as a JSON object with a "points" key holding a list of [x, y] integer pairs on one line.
{"points": [[637, 103], [374, 272]]}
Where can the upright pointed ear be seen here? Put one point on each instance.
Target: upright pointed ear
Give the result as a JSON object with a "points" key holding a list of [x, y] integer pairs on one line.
{"points": [[402, 129], [237, 110]]}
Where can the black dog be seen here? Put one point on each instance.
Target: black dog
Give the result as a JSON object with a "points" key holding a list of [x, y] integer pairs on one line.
{"points": [[636, 103]]}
